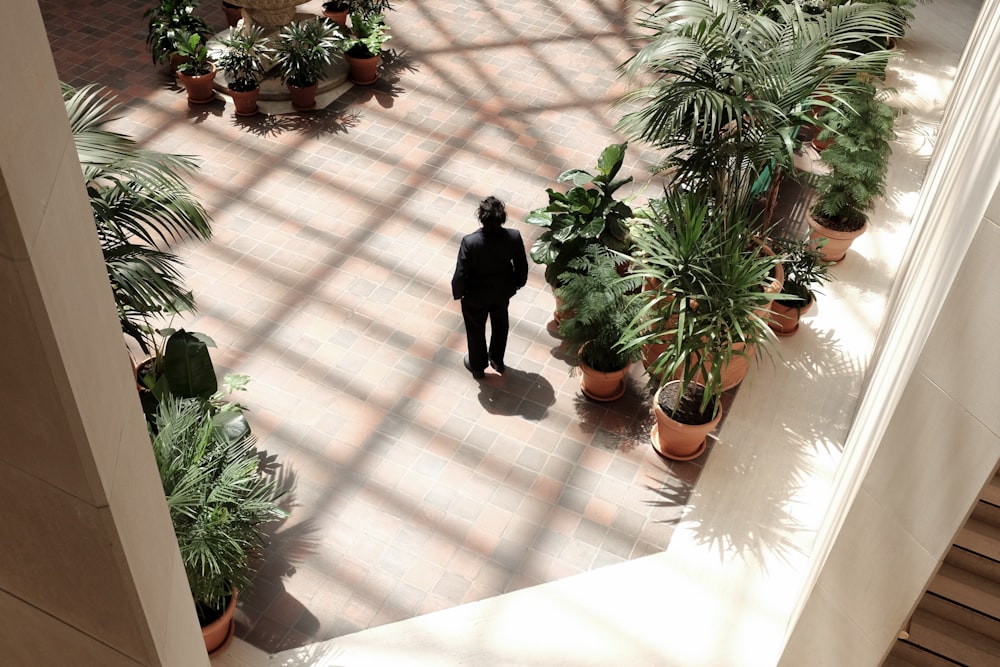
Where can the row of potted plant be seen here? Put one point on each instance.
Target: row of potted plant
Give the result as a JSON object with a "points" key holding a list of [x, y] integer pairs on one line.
{"points": [[694, 282], [301, 51]]}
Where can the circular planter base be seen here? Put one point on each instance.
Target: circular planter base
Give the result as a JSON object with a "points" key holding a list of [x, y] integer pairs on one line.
{"points": [[619, 392], [654, 437]]}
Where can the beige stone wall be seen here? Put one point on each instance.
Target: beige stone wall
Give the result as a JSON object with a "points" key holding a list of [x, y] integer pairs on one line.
{"points": [[89, 570]]}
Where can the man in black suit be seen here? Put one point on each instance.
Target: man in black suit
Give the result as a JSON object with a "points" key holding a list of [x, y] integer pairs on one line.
{"points": [[492, 266]]}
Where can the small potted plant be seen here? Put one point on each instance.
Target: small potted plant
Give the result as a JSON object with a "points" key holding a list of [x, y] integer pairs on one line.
{"points": [[305, 49], [196, 71], [857, 163], [363, 49], [705, 287], [337, 11], [601, 308], [587, 213], [242, 63], [170, 23], [805, 270], [220, 498]]}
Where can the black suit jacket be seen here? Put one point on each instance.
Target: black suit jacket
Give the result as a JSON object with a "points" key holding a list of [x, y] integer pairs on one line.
{"points": [[491, 267]]}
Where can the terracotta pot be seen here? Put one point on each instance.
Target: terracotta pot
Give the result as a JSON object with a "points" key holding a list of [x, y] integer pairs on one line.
{"points": [[602, 386], [784, 319], [200, 88], [363, 71], [837, 242], [245, 102], [303, 99], [736, 370], [821, 144], [340, 18], [219, 633], [674, 440]]}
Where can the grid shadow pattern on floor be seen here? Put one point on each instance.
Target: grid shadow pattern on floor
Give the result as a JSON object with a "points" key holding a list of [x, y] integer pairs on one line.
{"points": [[414, 487]]}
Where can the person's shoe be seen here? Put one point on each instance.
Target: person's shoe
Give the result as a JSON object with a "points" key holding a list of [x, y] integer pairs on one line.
{"points": [[498, 367], [479, 375]]}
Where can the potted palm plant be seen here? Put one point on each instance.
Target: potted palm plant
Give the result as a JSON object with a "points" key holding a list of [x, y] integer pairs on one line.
{"points": [[805, 271], [170, 22], [363, 49], [857, 162], [196, 71], [141, 203], [220, 497], [705, 290], [587, 213], [305, 49], [598, 300], [242, 63]]}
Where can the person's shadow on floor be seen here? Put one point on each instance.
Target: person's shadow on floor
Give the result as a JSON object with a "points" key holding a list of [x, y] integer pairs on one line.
{"points": [[519, 393]]}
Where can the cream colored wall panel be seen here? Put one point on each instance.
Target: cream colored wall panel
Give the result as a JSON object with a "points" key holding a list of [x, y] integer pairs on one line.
{"points": [[32, 638], [141, 518], [34, 131], [876, 571], [58, 556], [962, 355], [181, 642], [79, 304], [933, 460], [812, 645], [33, 420]]}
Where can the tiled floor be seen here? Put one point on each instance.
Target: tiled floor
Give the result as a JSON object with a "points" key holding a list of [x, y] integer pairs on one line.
{"points": [[416, 488]]}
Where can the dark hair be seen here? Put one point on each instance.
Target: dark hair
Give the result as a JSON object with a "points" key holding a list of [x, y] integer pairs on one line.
{"points": [[491, 213]]}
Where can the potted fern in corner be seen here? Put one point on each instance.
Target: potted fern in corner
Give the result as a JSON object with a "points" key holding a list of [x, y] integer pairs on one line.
{"points": [[219, 496], [857, 162], [601, 308], [242, 63]]}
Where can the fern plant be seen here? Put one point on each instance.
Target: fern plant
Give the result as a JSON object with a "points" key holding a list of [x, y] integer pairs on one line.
{"points": [[600, 308], [858, 159], [218, 495]]}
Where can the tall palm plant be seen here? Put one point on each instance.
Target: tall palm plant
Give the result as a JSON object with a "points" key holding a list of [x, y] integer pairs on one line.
{"points": [[726, 88], [141, 204]]}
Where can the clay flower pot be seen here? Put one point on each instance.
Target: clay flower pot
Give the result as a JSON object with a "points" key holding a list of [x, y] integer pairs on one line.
{"points": [[303, 99], [200, 87], [245, 103], [601, 386], [363, 71], [784, 320], [675, 440], [837, 242], [219, 633]]}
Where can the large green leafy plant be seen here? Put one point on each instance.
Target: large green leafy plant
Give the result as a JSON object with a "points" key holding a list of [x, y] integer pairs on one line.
{"points": [[857, 161], [587, 213], [704, 290], [219, 495], [141, 203], [305, 49], [599, 308], [370, 34], [723, 88]]}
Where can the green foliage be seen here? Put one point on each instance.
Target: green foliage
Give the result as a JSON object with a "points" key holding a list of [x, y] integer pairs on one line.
{"points": [[599, 308], [181, 366], [170, 22], [194, 55], [246, 49], [705, 281], [140, 203], [218, 494], [805, 269], [305, 49], [731, 85], [587, 213], [370, 34], [857, 160]]}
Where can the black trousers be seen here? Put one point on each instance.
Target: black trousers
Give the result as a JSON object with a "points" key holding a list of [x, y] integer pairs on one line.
{"points": [[475, 316]]}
